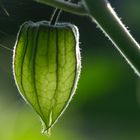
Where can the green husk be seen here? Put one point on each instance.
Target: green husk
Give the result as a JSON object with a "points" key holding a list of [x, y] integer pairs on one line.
{"points": [[46, 67]]}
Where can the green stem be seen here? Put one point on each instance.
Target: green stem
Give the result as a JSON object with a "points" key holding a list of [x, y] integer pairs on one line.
{"points": [[101, 12], [55, 17], [67, 6], [105, 17]]}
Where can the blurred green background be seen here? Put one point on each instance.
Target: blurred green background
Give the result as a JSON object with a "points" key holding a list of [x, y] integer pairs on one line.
{"points": [[106, 105]]}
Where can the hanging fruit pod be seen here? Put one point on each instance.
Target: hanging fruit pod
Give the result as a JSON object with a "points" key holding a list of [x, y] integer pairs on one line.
{"points": [[46, 67]]}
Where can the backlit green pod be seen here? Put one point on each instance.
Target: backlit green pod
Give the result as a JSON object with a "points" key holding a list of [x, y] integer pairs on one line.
{"points": [[46, 66]]}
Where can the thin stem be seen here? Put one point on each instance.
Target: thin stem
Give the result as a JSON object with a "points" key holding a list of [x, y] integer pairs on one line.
{"points": [[66, 6], [4, 9], [6, 48], [55, 16]]}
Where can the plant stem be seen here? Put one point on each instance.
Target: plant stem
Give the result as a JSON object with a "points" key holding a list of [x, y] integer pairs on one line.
{"points": [[67, 6], [6, 48], [101, 12], [105, 17], [4, 9], [55, 16]]}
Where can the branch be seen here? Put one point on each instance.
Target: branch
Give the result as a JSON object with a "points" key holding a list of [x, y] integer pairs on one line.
{"points": [[101, 12], [107, 20], [66, 6]]}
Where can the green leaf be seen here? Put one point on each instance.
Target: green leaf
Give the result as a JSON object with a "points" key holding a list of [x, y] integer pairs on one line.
{"points": [[46, 66]]}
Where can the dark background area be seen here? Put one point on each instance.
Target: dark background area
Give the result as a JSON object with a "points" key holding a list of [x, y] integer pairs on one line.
{"points": [[106, 105]]}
